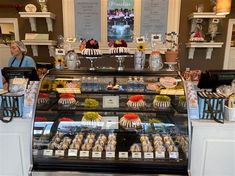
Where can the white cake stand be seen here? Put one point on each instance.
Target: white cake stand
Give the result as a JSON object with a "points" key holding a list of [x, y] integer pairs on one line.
{"points": [[92, 59], [121, 60], [171, 66]]}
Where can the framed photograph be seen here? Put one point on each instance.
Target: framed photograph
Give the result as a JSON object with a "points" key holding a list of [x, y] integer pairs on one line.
{"points": [[59, 52]]}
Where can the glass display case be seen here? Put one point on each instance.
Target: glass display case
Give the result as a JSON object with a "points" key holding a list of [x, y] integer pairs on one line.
{"points": [[111, 121]]}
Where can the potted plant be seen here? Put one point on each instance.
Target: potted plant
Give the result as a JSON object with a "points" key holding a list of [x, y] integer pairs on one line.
{"points": [[172, 50]]}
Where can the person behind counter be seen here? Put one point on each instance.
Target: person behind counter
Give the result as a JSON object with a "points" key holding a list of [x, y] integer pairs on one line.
{"points": [[19, 58]]}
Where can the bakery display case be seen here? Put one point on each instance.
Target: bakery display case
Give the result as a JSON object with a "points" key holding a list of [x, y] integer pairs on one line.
{"points": [[111, 121]]}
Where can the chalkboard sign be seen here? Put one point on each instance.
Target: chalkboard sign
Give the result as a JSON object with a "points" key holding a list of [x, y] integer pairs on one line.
{"points": [[154, 17], [88, 19]]}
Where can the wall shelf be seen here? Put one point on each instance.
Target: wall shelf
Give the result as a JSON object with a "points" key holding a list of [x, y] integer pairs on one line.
{"points": [[204, 15], [208, 45], [33, 15], [34, 45]]}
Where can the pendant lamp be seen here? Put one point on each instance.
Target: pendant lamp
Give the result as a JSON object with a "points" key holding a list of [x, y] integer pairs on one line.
{"points": [[223, 7]]}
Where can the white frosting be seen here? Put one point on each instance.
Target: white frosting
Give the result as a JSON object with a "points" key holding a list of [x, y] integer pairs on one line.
{"points": [[91, 52], [161, 104], [119, 50], [136, 105], [67, 101]]}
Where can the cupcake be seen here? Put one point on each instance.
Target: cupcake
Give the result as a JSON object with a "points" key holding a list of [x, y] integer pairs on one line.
{"points": [[136, 102], [67, 99], [130, 120], [43, 98], [161, 101]]}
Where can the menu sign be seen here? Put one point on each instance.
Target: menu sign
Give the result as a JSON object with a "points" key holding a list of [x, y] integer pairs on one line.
{"points": [[154, 17], [88, 19]]}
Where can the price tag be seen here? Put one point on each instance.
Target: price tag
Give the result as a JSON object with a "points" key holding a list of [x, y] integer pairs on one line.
{"points": [[73, 152], [110, 154], [174, 155], [47, 152], [60, 52], [123, 154], [148, 155], [96, 154], [159, 154], [136, 154], [84, 154], [110, 101], [35, 151], [41, 0], [59, 153]]}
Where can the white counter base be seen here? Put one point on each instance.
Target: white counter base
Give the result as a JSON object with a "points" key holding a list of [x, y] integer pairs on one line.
{"points": [[213, 148], [15, 147]]}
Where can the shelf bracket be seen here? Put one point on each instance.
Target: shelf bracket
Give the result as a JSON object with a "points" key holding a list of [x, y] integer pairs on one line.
{"points": [[209, 53], [49, 24], [191, 53], [32, 22], [35, 50]]}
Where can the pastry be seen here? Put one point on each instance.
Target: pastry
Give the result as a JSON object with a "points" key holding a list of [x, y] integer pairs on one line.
{"points": [[112, 137], [144, 138], [135, 148], [86, 147], [147, 148], [97, 148], [160, 148], [43, 98], [67, 99], [130, 120], [89, 141], [168, 82], [136, 102], [161, 101], [110, 148]]}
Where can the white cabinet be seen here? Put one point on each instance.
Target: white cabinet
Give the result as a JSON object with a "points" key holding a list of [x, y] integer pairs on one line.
{"points": [[213, 148]]}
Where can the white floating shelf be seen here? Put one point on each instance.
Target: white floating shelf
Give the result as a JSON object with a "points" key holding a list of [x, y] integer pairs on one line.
{"points": [[33, 15], [205, 15], [34, 45], [208, 45]]}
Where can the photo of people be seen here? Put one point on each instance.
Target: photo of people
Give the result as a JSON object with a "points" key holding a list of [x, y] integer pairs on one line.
{"points": [[120, 17]]}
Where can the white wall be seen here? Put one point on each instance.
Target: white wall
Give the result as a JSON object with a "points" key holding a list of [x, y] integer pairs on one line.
{"points": [[4, 56]]}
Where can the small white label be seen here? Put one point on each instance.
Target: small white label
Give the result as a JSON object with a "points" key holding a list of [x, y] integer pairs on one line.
{"points": [[60, 52], [96, 154], [72, 152], [110, 154], [159, 154], [41, 0], [123, 154], [174, 155], [59, 153], [110, 101], [47, 152], [136, 154], [148, 155], [35, 151], [84, 154]]}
